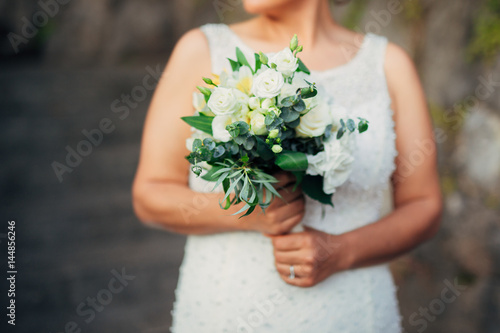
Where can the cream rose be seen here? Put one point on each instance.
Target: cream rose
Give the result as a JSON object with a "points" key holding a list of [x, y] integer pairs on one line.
{"points": [[258, 123], [268, 84], [314, 122], [223, 101], [285, 61], [334, 163], [219, 128]]}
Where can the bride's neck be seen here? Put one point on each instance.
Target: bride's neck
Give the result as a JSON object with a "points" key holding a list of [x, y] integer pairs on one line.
{"points": [[308, 19]]}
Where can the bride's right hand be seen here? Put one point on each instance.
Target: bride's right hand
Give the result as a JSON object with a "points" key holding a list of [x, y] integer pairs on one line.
{"points": [[282, 214]]}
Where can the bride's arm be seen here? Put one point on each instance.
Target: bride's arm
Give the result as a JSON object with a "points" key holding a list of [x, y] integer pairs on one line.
{"points": [[417, 196], [161, 195]]}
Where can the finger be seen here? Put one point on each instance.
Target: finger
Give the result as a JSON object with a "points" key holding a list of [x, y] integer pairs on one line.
{"points": [[289, 242], [295, 257], [299, 270], [284, 178], [291, 209], [289, 194], [303, 282]]}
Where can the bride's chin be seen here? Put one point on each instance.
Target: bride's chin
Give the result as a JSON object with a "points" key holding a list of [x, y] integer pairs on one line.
{"points": [[264, 6]]}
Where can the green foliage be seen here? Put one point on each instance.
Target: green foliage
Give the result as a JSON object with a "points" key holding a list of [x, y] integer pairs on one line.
{"points": [[313, 187], [202, 123], [485, 43], [292, 161]]}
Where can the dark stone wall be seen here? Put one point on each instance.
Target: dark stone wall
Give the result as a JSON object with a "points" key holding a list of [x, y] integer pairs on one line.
{"points": [[74, 236]]}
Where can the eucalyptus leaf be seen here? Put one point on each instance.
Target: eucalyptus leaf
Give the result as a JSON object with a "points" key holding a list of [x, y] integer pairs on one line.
{"points": [[294, 123], [289, 115], [209, 143], [351, 126], [219, 151], [363, 125], [288, 101], [300, 106], [340, 133]]}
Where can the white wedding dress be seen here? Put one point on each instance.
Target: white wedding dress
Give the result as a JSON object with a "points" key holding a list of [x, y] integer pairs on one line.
{"points": [[228, 281]]}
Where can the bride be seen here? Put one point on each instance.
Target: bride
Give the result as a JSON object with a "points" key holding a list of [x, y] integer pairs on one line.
{"points": [[254, 274]]}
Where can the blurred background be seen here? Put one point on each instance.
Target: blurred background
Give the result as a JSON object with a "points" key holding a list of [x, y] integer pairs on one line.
{"points": [[71, 69]]}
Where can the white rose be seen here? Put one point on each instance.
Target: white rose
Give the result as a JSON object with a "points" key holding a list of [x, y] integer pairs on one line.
{"points": [[285, 61], [267, 103], [314, 122], [253, 103], [223, 102], [268, 84], [219, 128], [258, 123], [334, 163]]}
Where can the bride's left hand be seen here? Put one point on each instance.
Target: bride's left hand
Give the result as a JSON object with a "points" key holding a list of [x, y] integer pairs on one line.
{"points": [[315, 255]]}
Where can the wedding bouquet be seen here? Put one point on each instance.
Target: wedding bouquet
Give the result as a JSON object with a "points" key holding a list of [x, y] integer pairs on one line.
{"points": [[254, 121]]}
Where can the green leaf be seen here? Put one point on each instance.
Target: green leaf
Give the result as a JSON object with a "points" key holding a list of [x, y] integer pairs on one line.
{"points": [[340, 133], [209, 176], [209, 143], [196, 144], [288, 101], [294, 123], [219, 151], [288, 115], [292, 161], [206, 92], [203, 124], [363, 125], [299, 176], [313, 187], [351, 126], [263, 149], [300, 106], [258, 62], [235, 65], [302, 67], [225, 185], [242, 59]]}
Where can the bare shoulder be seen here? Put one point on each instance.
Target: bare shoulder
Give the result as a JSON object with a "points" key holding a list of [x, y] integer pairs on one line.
{"points": [[191, 49], [400, 70]]}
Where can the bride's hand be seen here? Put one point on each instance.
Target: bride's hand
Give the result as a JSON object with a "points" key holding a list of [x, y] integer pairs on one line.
{"points": [[283, 214], [315, 255]]}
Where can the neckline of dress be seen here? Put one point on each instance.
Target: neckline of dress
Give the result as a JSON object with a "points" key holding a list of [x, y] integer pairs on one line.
{"points": [[345, 65]]}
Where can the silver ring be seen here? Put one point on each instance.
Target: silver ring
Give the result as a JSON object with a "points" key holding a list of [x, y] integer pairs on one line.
{"points": [[292, 272]]}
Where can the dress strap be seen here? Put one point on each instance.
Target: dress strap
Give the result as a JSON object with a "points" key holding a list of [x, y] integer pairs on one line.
{"points": [[221, 44], [376, 49]]}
